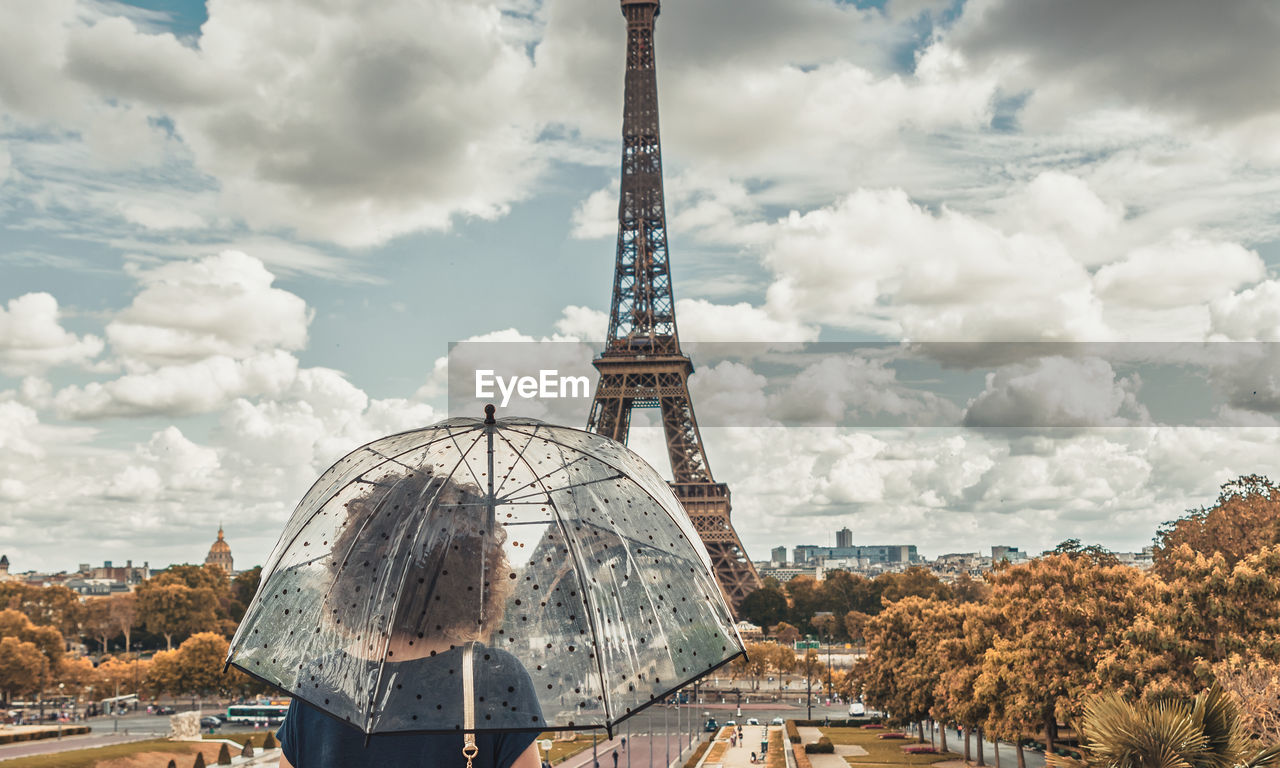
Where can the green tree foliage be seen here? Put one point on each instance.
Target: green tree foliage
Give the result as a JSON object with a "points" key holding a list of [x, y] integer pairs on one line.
{"points": [[764, 607], [1245, 518]]}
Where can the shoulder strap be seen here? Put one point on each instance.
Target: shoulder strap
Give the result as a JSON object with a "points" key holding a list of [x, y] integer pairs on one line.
{"points": [[469, 749]]}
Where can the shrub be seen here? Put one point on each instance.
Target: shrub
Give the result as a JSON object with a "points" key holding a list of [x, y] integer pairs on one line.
{"points": [[892, 735], [199, 763], [870, 726], [792, 733], [270, 741], [248, 749], [823, 747], [920, 749], [173, 764], [224, 756]]}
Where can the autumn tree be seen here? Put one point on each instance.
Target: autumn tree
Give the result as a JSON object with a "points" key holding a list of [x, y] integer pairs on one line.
{"points": [[175, 609], [1254, 684], [1244, 519], [124, 673], [785, 633], [764, 607], [24, 669], [243, 587], [98, 623], [960, 656], [914, 581], [75, 675], [55, 606], [124, 612], [46, 639], [1065, 614], [903, 665], [855, 626]]}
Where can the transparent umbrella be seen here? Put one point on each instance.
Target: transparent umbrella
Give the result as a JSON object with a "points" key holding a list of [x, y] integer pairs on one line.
{"points": [[548, 571]]}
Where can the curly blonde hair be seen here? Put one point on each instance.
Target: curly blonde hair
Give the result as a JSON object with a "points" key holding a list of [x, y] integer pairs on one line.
{"points": [[453, 578]]}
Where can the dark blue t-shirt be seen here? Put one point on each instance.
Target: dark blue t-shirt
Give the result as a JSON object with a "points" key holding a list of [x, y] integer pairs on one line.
{"points": [[312, 738]]}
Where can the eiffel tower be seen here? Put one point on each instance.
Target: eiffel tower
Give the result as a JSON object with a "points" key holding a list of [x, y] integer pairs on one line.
{"points": [[642, 365]]}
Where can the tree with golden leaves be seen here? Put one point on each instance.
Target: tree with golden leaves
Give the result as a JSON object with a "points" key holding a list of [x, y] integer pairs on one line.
{"points": [[1065, 615], [98, 624], [46, 639], [24, 669], [124, 612], [1244, 519], [785, 633], [175, 609]]}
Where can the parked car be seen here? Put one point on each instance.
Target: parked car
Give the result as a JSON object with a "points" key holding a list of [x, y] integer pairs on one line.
{"points": [[712, 726], [209, 721], [166, 711], [777, 721], [731, 723], [857, 708], [752, 721]]}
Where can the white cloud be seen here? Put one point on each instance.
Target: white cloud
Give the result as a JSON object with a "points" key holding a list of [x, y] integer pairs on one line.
{"points": [[875, 261], [33, 340], [582, 323], [161, 219], [1249, 315], [6, 163], [1094, 53], [1179, 271], [707, 322], [1057, 392], [199, 387], [221, 305]]}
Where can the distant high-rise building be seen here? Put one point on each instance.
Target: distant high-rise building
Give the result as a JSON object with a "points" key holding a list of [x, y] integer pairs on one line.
{"points": [[220, 555], [804, 553], [844, 538], [1012, 554], [778, 556]]}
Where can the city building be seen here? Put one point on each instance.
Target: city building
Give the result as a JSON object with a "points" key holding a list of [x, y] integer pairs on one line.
{"points": [[844, 538], [1010, 554], [127, 574], [778, 556], [785, 573], [220, 555], [4, 568]]}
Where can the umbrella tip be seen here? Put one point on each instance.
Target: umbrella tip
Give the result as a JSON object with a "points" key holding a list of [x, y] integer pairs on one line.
{"points": [[488, 414]]}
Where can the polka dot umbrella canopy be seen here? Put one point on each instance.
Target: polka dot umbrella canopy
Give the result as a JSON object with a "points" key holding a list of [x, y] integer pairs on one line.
{"points": [[556, 559]]}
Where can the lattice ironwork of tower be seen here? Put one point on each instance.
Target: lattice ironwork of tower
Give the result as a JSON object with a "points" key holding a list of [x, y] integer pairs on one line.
{"points": [[642, 365]]}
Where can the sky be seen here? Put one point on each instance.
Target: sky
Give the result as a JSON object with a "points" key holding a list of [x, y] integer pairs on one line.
{"points": [[238, 238]]}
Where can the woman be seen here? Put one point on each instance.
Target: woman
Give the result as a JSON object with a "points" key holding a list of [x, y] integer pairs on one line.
{"points": [[453, 588]]}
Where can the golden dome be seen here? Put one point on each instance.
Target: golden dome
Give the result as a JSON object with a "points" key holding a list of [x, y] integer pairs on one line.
{"points": [[220, 554]]}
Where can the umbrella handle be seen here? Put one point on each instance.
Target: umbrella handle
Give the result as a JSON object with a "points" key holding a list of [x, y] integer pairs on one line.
{"points": [[469, 749]]}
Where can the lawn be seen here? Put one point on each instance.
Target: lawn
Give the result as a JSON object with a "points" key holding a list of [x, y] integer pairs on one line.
{"points": [[134, 754], [562, 750], [881, 751]]}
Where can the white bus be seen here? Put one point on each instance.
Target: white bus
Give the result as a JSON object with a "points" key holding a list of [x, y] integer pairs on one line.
{"points": [[272, 714]]}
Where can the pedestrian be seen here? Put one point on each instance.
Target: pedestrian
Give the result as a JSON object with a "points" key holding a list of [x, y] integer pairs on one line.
{"points": [[615, 758], [753, 757], [624, 743], [311, 738]]}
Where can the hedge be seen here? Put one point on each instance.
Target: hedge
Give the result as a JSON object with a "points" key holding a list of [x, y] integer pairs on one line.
{"points": [[792, 734], [823, 747], [70, 730]]}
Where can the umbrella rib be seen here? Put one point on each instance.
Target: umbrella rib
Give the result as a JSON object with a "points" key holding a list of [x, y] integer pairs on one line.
{"points": [[463, 457], [609, 464], [586, 602], [537, 477], [510, 499], [518, 452]]}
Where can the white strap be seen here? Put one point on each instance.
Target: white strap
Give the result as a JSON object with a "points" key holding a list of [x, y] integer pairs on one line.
{"points": [[469, 749]]}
